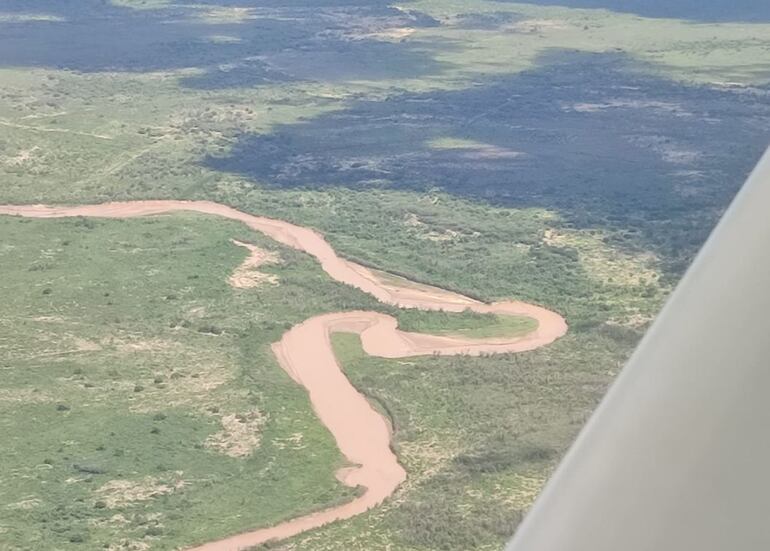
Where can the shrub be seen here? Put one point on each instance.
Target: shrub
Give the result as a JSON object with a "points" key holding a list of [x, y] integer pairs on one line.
{"points": [[210, 329], [78, 537], [89, 469]]}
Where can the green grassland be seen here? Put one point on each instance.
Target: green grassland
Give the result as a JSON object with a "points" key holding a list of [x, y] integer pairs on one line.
{"points": [[126, 361], [466, 324], [571, 158]]}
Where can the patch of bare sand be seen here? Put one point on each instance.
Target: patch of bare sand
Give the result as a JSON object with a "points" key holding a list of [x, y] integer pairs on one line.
{"points": [[126, 544], [247, 275], [422, 231], [29, 17], [24, 396], [294, 441], [635, 320], [26, 504], [603, 262], [241, 434], [667, 149], [663, 107], [147, 345], [84, 345], [121, 493], [537, 25], [21, 157], [49, 319], [116, 520], [227, 15], [491, 152], [475, 150], [387, 34]]}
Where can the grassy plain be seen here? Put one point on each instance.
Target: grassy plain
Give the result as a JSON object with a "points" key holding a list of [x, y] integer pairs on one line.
{"points": [[466, 324], [141, 403]]}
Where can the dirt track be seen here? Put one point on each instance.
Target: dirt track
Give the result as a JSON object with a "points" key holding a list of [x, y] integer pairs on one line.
{"points": [[305, 352]]}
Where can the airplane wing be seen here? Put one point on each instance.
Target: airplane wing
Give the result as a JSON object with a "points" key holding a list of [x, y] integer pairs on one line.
{"points": [[677, 456]]}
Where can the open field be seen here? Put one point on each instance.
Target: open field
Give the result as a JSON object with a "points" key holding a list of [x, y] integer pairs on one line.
{"points": [[568, 157], [362, 435], [140, 399], [468, 324]]}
